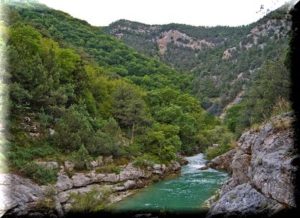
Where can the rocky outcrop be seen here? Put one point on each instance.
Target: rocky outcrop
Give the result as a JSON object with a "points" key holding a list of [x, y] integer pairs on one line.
{"points": [[181, 40], [262, 171], [246, 199], [23, 197], [18, 195], [222, 162]]}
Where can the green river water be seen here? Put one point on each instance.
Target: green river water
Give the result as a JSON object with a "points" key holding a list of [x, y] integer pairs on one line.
{"points": [[187, 192]]}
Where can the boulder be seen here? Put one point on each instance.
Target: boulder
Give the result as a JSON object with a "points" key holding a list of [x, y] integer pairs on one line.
{"points": [[223, 162], [159, 169], [131, 172], [63, 183], [81, 179], [130, 184]]}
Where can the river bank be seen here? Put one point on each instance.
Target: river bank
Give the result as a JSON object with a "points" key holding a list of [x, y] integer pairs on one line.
{"points": [[89, 190], [180, 186]]}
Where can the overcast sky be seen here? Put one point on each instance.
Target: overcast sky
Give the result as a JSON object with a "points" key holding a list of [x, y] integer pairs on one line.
{"points": [[193, 12]]}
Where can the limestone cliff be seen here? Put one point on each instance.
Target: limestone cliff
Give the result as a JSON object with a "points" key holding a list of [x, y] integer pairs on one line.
{"points": [[262, 171]]}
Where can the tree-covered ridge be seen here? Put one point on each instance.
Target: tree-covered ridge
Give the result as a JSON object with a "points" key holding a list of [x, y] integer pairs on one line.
{"points": [[222, 59], [76, 93], [95, 45]]}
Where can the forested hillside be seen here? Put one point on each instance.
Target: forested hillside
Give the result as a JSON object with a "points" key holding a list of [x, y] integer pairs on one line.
{"points": [[222, 60], [77, 93]]}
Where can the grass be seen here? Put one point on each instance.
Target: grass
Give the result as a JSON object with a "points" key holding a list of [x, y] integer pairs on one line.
{"points": [[281, 124], [110, 168], [282, 106]]}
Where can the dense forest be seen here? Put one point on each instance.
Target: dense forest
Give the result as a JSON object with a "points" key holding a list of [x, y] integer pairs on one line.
{"points": [[77, 93]]}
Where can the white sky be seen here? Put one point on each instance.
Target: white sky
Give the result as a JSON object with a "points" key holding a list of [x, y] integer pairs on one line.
{"points": [[193, 12]]}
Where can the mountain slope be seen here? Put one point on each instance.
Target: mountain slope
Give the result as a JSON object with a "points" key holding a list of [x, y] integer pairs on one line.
{"points": [[77, 93], [221, 59]]}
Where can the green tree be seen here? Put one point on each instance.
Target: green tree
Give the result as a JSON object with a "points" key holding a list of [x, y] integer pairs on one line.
{"points": [[129, 108]]}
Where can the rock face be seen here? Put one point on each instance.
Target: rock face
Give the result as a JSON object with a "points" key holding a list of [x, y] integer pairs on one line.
{"points": [[246, 199], [222, 162], [21, 196], [18, 194], [262, 171]]}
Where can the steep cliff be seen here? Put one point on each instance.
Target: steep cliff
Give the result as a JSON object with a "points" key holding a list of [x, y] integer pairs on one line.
{"points": [[262, 169]]}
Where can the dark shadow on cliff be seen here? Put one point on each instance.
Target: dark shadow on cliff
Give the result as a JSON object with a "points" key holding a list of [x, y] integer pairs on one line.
{"points": [[295, 89]]}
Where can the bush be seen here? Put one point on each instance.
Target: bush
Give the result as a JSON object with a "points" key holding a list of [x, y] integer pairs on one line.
{"points": [[146, 160], [40, 174], [81, 158]]}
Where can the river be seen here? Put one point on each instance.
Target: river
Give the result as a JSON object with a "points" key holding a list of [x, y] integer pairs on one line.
{"points": [[186, 192]]}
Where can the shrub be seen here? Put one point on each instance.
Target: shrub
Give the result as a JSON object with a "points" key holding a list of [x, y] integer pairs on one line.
{"points": [[81, 158], [40, 174], [145, 160], [92, 201], [20, 156], [212, 152]]}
